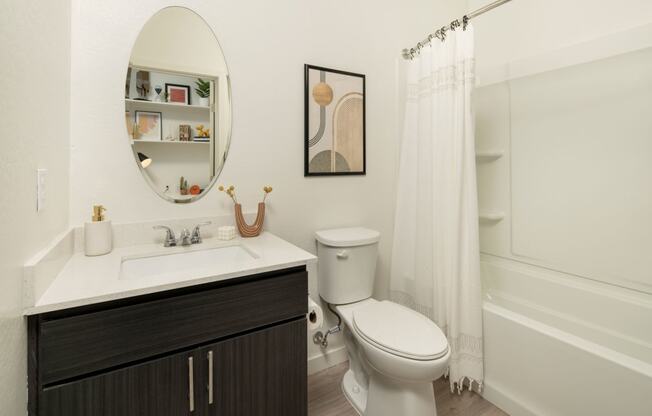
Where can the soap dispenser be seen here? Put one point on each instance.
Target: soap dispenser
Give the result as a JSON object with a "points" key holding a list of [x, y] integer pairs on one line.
{"points": [[98, 236]]}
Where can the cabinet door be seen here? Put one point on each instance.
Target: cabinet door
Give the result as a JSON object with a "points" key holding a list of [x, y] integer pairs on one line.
{"points": [[263, 373], [157, 388]]}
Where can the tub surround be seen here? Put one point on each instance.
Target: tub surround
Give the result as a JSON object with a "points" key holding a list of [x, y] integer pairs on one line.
{"points": [[63, 277]]}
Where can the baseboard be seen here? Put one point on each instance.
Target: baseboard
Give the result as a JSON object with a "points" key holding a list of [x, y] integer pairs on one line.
{"points": [[326, 359], [509, 404]]}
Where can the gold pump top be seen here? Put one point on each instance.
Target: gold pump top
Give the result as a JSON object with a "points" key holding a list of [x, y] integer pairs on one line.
{"points": [[98, 213]]}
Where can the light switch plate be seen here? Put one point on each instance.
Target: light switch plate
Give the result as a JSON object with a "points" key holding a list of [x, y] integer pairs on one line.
{"points": [[41, 181]]}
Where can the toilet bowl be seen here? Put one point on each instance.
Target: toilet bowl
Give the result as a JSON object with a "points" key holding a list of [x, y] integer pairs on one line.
{"points": [[394, 352]]}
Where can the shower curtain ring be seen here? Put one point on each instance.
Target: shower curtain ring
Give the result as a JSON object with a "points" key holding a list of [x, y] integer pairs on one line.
{"points": [[465, 22], [443, 33]]}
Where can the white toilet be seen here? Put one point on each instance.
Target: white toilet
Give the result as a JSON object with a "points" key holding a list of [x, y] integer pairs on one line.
{"points": [[394, 352]]}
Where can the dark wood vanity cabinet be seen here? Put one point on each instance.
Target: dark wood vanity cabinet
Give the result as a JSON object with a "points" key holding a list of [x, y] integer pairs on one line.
{"points": [[236, 347]]}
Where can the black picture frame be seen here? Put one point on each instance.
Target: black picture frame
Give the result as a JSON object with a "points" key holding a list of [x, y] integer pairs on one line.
{"points": [[186, 87], [306, 170]]}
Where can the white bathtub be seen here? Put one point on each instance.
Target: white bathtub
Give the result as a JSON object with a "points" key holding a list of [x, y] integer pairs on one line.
{"points": [[558, 345]]}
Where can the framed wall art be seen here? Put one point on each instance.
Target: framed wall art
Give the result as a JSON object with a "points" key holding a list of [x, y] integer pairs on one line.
{"points": [[334, 120], [176, 93]]}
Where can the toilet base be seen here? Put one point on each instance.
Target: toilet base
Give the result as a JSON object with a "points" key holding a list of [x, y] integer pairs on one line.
{"points": [[389, 398], [354, 392]]}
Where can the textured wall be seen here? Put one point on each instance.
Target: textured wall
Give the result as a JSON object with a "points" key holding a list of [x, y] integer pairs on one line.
{"points": [[34, 133]]}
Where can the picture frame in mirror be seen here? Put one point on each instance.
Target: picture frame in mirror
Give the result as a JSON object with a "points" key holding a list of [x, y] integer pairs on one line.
{"points": [[177, 93], [148, 126]]}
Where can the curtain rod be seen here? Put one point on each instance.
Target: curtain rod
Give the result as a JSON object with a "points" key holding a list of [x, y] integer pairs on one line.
{"points": [[441, 33]]}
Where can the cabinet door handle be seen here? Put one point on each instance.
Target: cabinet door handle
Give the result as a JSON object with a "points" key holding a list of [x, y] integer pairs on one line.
{"points": [[210, 377], [191, 385]]}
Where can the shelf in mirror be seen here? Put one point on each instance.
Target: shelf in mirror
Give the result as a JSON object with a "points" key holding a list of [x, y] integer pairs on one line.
{"points": [[488, 155], [131, 103], [167, 142], [491, 216]]}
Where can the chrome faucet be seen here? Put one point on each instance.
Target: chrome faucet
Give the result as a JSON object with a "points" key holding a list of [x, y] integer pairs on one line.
{"points": [[196, 235], [170, 239], [185, 239]]}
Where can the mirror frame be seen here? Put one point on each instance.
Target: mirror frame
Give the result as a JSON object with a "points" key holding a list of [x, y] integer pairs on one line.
{"points": [[229, 134]]}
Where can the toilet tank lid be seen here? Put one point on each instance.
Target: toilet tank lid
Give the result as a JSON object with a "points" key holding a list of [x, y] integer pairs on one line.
{"points": [[347, 237]]}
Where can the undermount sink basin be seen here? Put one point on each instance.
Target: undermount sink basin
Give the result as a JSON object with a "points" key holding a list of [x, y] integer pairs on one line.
{"points": [[159, 265]]}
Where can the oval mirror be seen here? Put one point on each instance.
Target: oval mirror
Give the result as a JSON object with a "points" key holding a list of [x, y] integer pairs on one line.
{"points": [[178, 105]]}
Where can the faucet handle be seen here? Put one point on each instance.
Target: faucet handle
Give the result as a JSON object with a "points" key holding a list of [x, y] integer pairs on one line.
{"points": [[170, 238], [196, 234]]}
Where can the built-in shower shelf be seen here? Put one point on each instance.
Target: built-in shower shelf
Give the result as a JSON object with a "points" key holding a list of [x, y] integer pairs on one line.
{"points": [[492, 216], [489, 155]]}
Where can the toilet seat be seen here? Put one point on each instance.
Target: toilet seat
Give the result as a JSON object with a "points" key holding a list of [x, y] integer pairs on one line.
{"points": [[399, 331]]}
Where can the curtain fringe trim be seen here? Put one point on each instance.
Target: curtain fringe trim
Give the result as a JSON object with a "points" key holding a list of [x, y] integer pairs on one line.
{"points": [[458, 386]]}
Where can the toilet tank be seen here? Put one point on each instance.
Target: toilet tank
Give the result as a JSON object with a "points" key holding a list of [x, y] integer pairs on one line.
{"points": [[346, 264]]}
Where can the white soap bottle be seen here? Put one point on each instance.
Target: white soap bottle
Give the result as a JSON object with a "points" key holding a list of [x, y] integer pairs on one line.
{"points": [[98, 235]]}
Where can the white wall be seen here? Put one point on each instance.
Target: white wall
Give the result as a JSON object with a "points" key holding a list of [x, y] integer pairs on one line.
{"points": [[526, 28], [176, 40], [34, 133], [266, 45]]}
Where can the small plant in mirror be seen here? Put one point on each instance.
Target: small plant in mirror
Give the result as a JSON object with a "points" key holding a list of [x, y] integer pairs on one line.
{"points": [[203, 88], [183, 186]]}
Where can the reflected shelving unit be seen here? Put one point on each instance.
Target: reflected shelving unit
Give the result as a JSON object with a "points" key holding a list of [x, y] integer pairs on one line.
{"points": [[491, 216], [488, 155]]}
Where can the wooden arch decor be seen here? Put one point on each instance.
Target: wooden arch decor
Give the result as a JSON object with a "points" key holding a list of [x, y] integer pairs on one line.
{"points": [[254, 229]]}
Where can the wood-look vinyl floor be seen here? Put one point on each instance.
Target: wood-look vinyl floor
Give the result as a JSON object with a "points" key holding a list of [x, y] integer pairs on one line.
{"points": [[325, 397]]}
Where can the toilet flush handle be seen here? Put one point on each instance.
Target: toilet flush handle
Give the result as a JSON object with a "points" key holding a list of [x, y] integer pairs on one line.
{"points": [[343, 255]]}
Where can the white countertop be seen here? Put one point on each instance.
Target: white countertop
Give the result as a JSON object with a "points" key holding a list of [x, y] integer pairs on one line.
{"points": [[88, 280]]}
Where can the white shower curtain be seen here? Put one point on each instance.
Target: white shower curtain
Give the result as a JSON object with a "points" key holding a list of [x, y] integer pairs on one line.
{"points": [[436, 260]]}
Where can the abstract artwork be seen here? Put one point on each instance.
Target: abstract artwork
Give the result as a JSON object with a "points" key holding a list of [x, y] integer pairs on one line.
{"points": [[334, 122], [149, 125]]}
